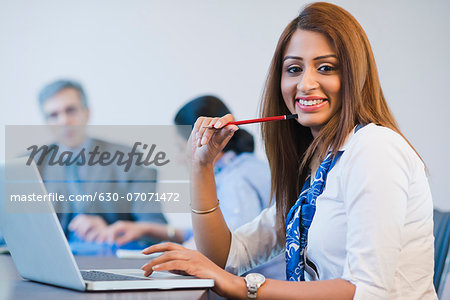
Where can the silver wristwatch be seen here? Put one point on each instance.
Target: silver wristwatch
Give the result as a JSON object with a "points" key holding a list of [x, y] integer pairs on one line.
{"points": [[253, 281]]}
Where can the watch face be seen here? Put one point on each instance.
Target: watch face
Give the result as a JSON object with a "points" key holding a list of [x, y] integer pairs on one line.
{"points": [[255, 278]]}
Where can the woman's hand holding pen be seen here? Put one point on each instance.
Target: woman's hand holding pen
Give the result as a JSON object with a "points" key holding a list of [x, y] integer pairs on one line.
{"points": [[208, 138], [205, 132]]}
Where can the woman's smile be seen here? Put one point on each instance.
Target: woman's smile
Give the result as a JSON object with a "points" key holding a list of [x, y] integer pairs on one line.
{"points": [[310, 104]]}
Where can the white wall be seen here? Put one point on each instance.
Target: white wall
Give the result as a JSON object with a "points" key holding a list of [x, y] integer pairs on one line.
{"points": [[140, 60]]}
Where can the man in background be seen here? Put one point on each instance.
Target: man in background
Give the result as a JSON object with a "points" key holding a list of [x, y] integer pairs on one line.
{"points": [[64, 103]]}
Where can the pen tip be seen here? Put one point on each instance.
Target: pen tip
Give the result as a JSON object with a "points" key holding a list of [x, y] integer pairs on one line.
{"points": [[291, 116]]}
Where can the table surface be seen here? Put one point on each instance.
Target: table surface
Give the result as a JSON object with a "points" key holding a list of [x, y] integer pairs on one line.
{"points": [[12, 286]]}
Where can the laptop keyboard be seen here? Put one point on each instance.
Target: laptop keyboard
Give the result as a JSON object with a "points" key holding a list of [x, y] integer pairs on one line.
{"points": [[104, 276]]}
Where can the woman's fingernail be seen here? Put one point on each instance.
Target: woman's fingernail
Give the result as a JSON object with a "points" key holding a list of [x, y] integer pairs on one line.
{"points": [[142, 268], [217, 124], [155, 267], [203, 140]]}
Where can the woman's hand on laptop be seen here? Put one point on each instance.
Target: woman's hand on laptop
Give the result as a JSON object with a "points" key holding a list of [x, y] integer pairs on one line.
{"points": [[180, 260]]}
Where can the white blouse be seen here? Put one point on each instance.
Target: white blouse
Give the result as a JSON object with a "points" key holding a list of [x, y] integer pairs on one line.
{"points": [[373, 224]]}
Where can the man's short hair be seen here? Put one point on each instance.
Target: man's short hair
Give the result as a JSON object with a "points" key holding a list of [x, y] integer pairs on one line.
{"points": [[55, 87]]}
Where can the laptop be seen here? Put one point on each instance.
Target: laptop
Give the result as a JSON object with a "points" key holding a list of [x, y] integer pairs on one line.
{"points": [[41, 252]]}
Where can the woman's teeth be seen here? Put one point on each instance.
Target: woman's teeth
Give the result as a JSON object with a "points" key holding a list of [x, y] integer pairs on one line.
{"points": [[310, 102]]}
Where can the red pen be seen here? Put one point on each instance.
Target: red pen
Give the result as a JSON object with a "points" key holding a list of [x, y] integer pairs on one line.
{"points": [[259, 120]]}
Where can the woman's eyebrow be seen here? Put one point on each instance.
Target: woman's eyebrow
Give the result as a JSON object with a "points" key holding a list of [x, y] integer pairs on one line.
{"points": [[315, 58]]}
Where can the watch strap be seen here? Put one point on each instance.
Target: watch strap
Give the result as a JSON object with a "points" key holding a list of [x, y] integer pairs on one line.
{"points": [[251, 291]]}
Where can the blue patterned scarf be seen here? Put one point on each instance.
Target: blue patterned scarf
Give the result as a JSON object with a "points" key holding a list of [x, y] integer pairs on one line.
{"points": [[300, 217]]}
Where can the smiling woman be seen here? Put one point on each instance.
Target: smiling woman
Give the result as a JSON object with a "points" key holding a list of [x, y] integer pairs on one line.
{"points": [[353, 208], [310, 84]]}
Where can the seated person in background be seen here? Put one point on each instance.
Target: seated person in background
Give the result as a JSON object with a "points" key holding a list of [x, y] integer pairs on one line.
{"points": [[242, 183], [64, 103]]}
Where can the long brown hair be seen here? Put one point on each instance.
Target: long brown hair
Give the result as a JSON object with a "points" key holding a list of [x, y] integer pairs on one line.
{"points": [[290, 146]]}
